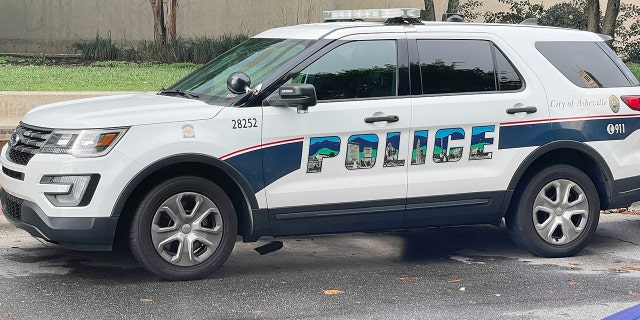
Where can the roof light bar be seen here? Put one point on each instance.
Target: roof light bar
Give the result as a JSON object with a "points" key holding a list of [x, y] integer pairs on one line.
{"points": [[371, 14]]}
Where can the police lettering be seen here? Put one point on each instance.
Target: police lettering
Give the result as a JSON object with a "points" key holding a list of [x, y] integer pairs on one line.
{"points": [[362, 149]]}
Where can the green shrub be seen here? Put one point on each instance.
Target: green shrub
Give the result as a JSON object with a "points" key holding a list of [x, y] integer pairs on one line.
{"points": [[566, 15], [98, 49], [519, 11], [198, 50], [627, 40]]}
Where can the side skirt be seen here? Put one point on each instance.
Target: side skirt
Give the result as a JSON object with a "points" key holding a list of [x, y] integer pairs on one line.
{"points": [[459, 209]]}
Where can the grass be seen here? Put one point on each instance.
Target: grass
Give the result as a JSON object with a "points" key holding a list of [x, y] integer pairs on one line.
{"points": [[33, 74], [99, 76]]}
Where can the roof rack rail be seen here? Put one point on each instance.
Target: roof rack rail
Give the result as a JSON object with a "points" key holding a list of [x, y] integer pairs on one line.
{"points": [[390, 16]]}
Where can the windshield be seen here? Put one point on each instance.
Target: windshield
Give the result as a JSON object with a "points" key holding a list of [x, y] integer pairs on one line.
{"points": [[256, 57]]}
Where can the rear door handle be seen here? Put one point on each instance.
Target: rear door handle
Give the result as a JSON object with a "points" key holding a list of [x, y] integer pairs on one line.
{"points": [[522, 109], [389, 118]]}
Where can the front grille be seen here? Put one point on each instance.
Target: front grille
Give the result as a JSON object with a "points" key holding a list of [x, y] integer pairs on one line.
{"points": [[29, 142], [13, 174], [19, 157], [11, 205]]}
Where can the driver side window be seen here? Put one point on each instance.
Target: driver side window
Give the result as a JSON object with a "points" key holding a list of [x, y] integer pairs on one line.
{"points": [[359, 69]]}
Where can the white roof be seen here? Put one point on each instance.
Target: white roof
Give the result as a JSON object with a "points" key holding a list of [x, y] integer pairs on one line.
{"points": [[335, 30]]}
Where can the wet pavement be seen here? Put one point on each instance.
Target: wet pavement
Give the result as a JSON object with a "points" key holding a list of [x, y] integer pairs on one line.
{"points": [[439, 273]]}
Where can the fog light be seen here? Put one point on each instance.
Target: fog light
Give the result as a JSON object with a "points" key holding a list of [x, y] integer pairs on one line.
{"points": [[81, 190]]}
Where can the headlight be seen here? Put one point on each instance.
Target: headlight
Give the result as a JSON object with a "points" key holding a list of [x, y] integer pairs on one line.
{"points": [[82, 143]]}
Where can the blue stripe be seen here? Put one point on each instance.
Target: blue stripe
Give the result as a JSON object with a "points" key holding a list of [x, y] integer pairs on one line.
{"points": [[277, 161], [537, 134]]}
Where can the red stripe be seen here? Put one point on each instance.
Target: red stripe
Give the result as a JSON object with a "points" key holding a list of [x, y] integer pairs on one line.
{"points": [[260, 146], [569, 119]]}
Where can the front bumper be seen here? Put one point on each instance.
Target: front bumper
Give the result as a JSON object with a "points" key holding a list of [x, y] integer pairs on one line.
{"points": [[78, 233]]}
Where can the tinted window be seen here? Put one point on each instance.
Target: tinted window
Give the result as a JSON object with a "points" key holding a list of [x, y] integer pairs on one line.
{"points": [[508, 78], [584, 63], [359, 69], [457, 66]]}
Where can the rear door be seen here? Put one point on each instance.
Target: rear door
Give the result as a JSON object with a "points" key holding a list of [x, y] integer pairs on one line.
{"points": [[478, 113]]}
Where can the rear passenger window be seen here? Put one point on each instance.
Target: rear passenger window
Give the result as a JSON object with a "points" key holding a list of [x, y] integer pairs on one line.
{"points": [[591, 68], [360, 69], [464, 66]]}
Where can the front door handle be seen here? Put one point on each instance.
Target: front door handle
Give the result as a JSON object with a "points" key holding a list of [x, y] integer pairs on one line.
{"points": [[522, 109], [389, 118]]}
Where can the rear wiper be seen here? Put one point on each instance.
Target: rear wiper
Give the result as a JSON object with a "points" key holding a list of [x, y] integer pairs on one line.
{"points": [[179, 92]]}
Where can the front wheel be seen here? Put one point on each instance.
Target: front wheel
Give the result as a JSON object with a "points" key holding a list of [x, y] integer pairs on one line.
{"points": [[556, 213], [184, 229]]}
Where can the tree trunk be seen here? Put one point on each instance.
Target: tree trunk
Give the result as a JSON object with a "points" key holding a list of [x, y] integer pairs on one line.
{"points": [[593, 16], [429, 11], [452, 7], [172, 14], [159, 31], [610, 17]]}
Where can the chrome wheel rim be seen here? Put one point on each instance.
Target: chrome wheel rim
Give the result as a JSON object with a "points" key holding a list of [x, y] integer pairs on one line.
{"points": [[187, 229], [560, 212]]}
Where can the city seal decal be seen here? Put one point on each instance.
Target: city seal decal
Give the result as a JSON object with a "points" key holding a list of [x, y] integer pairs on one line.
{"points": [[188, 131], [13, 140], [614, 104]]}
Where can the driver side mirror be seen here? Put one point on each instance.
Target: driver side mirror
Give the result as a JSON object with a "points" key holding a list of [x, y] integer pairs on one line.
{"points": [[300, 95]]}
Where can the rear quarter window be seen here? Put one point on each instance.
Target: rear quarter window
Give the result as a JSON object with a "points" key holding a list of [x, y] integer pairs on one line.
{"points": [[465, 66], [587, 64]]}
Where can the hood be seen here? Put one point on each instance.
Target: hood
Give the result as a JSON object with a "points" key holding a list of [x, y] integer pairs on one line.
{"points": [[119, 111]]}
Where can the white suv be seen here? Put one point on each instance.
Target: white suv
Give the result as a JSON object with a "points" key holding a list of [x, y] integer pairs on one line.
{"points": [[352, 126]]}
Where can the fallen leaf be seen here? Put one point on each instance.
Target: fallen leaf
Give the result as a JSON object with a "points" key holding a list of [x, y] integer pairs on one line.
{"points": [[574, 283], [574, 264], [573, 294], [145, 300], [8, 314], [408, 278], [462, 289], [332, 292], [632, 268], [472, 302], [454, 281], [634, 293], [257, 312], [551, 291], [550, 264], [618, 270]]}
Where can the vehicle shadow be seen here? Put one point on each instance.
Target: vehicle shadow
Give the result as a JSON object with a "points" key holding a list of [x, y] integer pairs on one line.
{"points": [[400, 249]]}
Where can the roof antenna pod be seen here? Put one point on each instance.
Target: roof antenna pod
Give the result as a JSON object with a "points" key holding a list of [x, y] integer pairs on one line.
{"points": [[452, 17]]}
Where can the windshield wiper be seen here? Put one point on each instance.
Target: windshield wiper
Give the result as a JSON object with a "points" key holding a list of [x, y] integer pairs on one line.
{"points": [[179, 92]]}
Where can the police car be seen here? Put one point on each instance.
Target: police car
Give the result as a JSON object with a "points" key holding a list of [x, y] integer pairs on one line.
{"points": [[334, 127]]}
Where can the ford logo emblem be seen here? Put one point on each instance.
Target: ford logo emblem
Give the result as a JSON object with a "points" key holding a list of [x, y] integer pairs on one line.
{"points": [[13, 141]]}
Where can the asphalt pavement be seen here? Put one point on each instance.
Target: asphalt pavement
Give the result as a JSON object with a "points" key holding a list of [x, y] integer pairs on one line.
{"points": [[439, 273]]}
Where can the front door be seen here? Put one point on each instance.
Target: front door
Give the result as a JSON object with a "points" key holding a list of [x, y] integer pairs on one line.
{"points": [[350, 169]]}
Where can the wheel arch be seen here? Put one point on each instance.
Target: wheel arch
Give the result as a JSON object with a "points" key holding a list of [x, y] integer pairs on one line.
{"points": [[228, 178], [577, 154]]}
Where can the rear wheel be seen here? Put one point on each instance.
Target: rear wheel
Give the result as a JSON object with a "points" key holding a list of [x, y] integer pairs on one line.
{"points": [[184, 229], [556, 213]]}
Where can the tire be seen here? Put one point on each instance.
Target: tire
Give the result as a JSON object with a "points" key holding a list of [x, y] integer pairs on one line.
{"points": [[184, 229], [556, 212]]}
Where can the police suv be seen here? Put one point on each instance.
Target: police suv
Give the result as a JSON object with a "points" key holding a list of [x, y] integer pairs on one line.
{"points": [[340, 126]]}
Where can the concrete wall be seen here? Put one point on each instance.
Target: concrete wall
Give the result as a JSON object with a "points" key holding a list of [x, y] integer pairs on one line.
{"points": [[48, 26]]}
